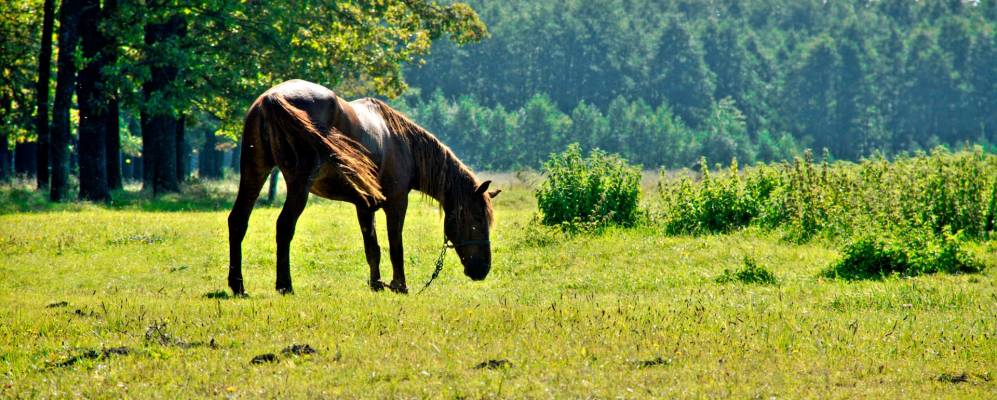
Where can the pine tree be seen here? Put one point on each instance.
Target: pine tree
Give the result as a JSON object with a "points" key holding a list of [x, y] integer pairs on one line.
{"points": [[982, 76], [930, 97], [680, 76], [811, 90]]}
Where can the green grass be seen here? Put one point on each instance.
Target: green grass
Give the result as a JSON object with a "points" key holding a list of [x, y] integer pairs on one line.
{"points": [[626, 313]]}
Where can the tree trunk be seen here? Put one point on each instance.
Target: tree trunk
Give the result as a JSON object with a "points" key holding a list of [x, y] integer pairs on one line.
{"points": [[5, 165], [93, 101], [5, 156], [25, 158], [236, 155], [138, 168], [113, 142], [272, 193], [182, 157], [210, 160], [41, 95], [65, 79], [148, 138], [112, 124], [159, 126]]}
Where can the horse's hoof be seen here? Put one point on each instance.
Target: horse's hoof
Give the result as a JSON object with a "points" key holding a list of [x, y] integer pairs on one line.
{"points": [[285, 290], [236, 286], [377, 286], [398, 287]]}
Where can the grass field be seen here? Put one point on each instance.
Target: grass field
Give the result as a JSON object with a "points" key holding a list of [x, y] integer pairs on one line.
{"points": [[630, 313]]}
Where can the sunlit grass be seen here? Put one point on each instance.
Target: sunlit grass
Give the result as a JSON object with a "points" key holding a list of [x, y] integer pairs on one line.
{"points": [[628, 313]]}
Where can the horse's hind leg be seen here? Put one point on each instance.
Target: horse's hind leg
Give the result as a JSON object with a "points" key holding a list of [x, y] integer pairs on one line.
{"points": [[297, 197], [370, 247], [250, 183], [255, 166]]}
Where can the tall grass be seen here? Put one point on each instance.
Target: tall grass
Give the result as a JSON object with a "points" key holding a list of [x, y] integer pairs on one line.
{"points": [[943, 197]]}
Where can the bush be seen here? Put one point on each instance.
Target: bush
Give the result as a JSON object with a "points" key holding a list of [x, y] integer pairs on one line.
{"points": [[946, 192], [750, 272], [718, 203], [874, 256], [601, 189]]}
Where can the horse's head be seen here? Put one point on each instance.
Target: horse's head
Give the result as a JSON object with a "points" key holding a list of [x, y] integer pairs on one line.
{"points": [[467, 226]]}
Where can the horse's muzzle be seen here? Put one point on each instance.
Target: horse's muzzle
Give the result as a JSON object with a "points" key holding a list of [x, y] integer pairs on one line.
{"points": [[477, 268]]}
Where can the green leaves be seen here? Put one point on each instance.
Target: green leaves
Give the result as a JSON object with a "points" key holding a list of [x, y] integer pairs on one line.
{"points": [[232, 51], [600, 189]]}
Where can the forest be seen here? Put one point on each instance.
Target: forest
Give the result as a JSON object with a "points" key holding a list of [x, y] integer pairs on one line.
{"points": [[663, 82], [106, 91]]}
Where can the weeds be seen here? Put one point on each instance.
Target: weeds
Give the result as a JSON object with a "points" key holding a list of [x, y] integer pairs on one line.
{"points": [[750, 273], [875, 256], [601, 189], [932, 203]]}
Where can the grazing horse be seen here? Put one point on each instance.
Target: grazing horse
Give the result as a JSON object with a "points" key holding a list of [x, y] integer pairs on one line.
{"points": [[362, 152]]}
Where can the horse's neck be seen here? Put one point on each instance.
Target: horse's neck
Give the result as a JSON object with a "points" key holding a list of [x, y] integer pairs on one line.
{"points": [[440, 173]]}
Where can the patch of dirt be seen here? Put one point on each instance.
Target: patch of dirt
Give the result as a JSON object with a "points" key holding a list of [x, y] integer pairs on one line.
{"points": [[58, 304], [264, 358], [298, 350], [494, 364], [654, 362], [91, 354]]}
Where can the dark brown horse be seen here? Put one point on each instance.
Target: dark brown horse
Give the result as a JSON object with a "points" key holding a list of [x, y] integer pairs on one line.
{"points": [[362, 152]]}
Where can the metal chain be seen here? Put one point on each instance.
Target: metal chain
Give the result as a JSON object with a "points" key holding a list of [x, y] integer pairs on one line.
{"points": [[439, 264]]}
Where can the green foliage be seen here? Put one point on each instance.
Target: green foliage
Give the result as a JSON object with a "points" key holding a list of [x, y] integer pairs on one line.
{"points": [[599, 189], [717, 203], [946, 192], [910, 253], [355, 47], [920, 207], [19, 26], [750, 273], [498, 139], [853, 77]]}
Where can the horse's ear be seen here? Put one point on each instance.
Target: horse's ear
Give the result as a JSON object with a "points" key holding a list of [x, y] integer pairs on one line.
{"points": [[482, 188], [494, 193]]}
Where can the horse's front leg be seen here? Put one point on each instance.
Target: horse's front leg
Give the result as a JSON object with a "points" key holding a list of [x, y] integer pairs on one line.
{"points": [[395, 213], [297, 197], [370, 247]]}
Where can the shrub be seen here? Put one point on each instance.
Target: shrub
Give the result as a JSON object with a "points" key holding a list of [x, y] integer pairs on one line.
{"points": [[874, 256], [600, 189], [945, 192], [718, 203], [750, 272]]}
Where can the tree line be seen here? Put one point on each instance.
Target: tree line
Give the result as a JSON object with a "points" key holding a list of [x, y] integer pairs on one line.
{"points": [[495, 138], [855, 77], [156, 68]]}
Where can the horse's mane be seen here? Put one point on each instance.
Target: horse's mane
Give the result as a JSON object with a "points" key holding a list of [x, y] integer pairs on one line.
{"points": [[440, 174]]}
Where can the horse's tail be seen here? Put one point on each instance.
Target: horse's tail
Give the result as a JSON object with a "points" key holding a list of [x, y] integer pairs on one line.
{"points": [[287, 121]]}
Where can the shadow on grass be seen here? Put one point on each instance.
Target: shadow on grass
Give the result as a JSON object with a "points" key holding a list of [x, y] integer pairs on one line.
{"points": [[196, 195]]}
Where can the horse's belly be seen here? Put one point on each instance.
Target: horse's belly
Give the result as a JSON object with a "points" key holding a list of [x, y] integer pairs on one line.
{"points": [[330, 184]]}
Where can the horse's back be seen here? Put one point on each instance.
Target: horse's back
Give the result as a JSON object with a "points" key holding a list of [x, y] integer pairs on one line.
{"points": [[316, 100], [372, 130]]}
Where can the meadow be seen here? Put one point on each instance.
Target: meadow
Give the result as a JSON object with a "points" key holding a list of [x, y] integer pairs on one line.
{"points": [[130, 300]]}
